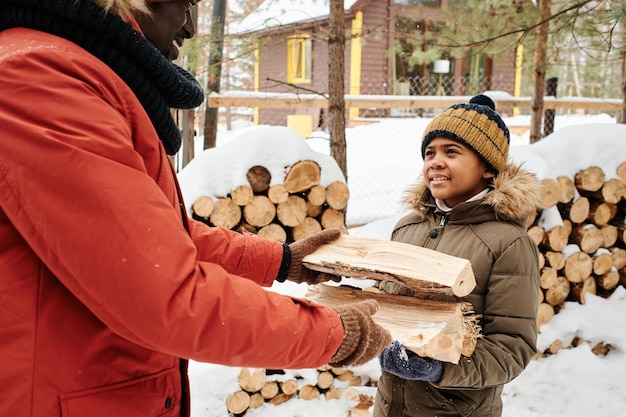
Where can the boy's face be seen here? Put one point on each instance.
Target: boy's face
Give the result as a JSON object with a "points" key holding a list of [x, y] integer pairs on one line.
{"points": [[453, 171], [168, 25]]}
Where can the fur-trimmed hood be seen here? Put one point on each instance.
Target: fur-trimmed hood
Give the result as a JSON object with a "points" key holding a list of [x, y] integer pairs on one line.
{"points": [[516, 194], [126, 9]]}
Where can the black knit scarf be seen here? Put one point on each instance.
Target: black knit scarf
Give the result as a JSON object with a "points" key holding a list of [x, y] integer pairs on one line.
{"points": [[158, 83]]}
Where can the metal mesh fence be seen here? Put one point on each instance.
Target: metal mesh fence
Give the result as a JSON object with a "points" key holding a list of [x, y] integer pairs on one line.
{"points": [[396, 132]]}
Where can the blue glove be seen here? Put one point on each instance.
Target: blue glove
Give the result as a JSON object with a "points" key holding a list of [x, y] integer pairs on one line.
{"points": [[396, 360]]}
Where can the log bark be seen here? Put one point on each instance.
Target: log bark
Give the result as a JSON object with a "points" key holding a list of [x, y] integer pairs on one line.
{"points": [[577, 211], [302, 176], [550, 193], [601, 212], [556, 239], [259, 178], [433, 329], [581, 289], [567, 189], [587, 237], [589, 179], [421, 269]]}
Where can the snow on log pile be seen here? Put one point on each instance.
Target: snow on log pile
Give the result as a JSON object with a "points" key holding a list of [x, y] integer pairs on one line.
{"points": [[585, 252], [269, 182]]}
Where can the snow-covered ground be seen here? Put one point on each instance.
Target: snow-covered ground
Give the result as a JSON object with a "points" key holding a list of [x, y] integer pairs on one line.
{"points": [[573, 383]]}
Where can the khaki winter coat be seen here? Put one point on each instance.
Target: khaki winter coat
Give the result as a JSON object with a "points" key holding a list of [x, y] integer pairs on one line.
{"points": [[491, 233]]}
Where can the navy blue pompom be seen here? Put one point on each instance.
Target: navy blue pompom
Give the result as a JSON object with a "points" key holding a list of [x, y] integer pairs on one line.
{"points": [[483, 100]]}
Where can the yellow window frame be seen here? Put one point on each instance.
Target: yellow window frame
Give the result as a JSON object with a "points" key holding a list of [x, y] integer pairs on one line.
{"points": [[299, 58]]}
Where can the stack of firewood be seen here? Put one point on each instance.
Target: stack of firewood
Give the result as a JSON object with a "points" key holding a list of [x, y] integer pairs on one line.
{"points": [[586, 254], [285, 212], [258, 388]]}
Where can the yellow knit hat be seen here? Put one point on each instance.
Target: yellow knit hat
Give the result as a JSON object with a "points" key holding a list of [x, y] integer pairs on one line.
{"points": [[476, 125]]}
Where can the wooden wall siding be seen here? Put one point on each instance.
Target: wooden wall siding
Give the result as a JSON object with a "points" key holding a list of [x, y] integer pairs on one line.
{"points": [[375, 60]]}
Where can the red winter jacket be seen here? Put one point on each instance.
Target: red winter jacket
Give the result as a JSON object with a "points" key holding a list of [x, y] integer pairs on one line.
{"points": [[102, 287]]}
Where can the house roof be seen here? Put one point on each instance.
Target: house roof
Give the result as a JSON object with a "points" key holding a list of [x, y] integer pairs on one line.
{"points": [[275, 13]]}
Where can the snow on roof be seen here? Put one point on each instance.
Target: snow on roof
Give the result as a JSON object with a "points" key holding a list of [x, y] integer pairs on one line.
{"points": [[275, 13]]}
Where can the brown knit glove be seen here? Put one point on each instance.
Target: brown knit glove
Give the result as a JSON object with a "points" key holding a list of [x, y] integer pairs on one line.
{"points": [[301, 248], [363, 339]]}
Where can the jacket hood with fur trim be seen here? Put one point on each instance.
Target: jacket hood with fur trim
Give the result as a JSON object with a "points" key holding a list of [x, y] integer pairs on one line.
{"points": [[516, 195]]}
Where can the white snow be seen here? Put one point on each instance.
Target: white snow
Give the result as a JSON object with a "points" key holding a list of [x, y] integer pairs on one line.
{"points": [[572, 383]]}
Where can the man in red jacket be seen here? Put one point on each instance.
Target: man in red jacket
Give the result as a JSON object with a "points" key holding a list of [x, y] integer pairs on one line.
{"points": [[107, 288]]}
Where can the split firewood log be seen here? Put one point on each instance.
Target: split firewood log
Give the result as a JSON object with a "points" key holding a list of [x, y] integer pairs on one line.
{"points": [[557, 294], [225, 213], [259, 178], [589, 179], [437, 329], [567, 189], [545, 313], [577, 211], [581, 289], [269, 390], [609, 235], [555, 260], [277, 193], [309, 392], [242, 194], [332, 393], [280, 398], [421, 269], [601, 212], [302, 176], [612, 191], [619, 258], [251, 380], [555, 239], [536, 233], [238, 402], [313, 210], [332, 219], [256, 400], [325, 380], [608, 281], [337, 195], [289, 387], [602, 263], [308, 227], [273, 231], [578, 266], [316, 195], [259, 211], [203, 206], [587, 236], [548, 278], [292, 212], [621, 172], [550, 193]]}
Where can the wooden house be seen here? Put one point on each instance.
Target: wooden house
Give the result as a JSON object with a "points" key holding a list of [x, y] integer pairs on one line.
{"points": [[292, 55]]}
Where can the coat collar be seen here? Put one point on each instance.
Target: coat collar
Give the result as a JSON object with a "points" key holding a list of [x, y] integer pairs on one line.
{"points": [[515, 196]]}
